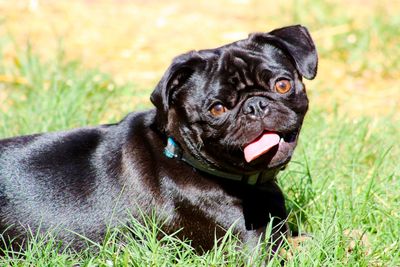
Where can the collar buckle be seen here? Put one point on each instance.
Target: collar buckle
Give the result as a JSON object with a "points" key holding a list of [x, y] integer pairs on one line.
{"points": [[253, 179]]}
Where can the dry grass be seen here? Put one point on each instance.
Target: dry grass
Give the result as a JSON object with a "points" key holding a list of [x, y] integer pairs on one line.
{"points": [[136, 40]]}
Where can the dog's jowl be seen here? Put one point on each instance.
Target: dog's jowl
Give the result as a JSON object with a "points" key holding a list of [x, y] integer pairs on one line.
{"points": [[225, 122]]}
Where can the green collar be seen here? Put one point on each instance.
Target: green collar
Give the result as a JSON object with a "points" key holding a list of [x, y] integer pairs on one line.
{"points": [[172, 150]]}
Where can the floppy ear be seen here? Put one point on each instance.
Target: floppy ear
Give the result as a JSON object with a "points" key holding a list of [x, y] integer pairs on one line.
{"points": [[176, 76], [296, 41]]}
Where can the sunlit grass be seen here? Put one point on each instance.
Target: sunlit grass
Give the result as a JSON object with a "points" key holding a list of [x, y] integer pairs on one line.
{"points": [[344, 177]]}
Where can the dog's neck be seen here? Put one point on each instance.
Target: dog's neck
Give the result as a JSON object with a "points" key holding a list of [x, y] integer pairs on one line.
{"points": [[173, 151]]}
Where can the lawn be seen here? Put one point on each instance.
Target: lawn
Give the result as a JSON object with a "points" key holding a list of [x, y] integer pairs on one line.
{"points": [[343, 183]]}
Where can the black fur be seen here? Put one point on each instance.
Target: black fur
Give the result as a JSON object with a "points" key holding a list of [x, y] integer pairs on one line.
{"points": [[86, 179]]}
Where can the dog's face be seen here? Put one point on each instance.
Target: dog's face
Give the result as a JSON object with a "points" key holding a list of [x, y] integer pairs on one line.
{"points": [[239, 107]]}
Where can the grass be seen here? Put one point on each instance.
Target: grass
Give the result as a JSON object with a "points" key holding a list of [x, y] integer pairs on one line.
{"points": [[344, 177], [342, 185]]}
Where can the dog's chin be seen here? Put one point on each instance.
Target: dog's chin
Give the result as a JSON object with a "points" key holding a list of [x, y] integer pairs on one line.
{"points": [[277, 157], [233, 160]]}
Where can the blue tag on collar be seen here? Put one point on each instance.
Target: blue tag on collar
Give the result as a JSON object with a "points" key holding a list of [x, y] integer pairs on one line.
{"points": [[172, 149]]}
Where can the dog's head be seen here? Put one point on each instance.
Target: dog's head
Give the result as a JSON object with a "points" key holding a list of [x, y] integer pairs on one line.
{"points": [[239, 107]]}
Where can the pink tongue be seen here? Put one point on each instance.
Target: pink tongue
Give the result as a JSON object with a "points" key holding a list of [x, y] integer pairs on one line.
{"points": [[260, 146]]}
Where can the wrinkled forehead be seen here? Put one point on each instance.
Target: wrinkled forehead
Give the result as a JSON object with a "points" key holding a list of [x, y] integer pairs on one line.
{"points": [[267, 57], [243, 64], [252, 57]]}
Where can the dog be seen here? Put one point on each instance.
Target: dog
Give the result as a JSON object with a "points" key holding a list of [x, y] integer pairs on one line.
{"points": [[225, 122]]}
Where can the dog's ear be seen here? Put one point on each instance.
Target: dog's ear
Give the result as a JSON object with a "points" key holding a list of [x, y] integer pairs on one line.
{"points": [[296, 41], [176, 76]]}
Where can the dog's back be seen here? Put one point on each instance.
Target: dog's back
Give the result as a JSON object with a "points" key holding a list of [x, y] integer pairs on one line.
{"points": [[61, 181]]}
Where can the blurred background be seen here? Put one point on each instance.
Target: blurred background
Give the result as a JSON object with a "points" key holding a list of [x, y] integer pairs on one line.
{"points": [[134, 41]]}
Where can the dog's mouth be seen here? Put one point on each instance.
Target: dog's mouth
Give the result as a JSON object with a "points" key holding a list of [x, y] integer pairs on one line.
{"points": [[268, 142]]}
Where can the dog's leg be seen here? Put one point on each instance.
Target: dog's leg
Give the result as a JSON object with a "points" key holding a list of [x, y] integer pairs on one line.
{"points": [[264, 211]]}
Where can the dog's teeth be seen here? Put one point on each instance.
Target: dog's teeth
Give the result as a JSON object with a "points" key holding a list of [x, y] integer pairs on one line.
{"points": [[281, 140]]}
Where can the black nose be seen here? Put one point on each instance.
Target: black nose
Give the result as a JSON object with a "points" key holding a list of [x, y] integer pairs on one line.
{"points": [[256, 105]]}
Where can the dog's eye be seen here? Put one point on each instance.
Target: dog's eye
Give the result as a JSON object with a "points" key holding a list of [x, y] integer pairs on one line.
{"points": [[283, 86], [218, 109]]}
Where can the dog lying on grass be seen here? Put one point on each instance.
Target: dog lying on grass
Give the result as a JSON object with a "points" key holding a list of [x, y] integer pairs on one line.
{"points": [[225, 122]]}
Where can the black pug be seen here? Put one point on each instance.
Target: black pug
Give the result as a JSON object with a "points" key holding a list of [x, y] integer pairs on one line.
{"points": [[226, 122]]}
